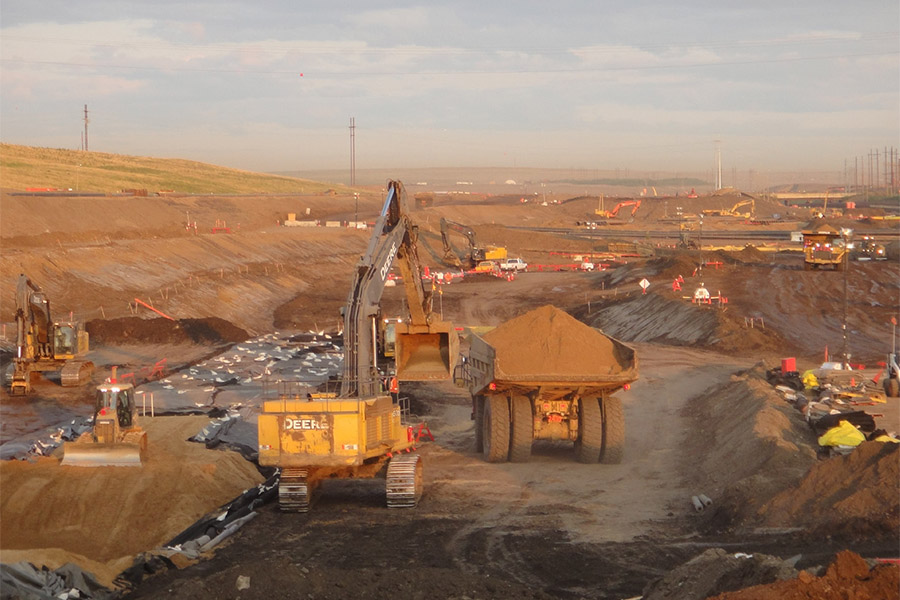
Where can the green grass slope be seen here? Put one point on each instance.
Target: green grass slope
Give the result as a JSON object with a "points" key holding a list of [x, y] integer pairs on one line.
{"points": [[23, 167]]}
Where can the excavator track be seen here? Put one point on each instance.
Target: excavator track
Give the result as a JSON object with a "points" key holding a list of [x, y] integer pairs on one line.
{"points": [[75, 373], [404, 481], [293, 490]]}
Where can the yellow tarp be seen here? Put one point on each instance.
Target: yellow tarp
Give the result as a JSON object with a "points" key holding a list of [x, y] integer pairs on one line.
{"points": [[845, 434], [810, 380]]}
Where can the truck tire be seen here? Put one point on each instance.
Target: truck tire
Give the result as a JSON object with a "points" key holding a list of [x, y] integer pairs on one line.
{"points": [[892, 388], [613, 431], [478, 411], [496, 429], [522, 429], [590, 431]]}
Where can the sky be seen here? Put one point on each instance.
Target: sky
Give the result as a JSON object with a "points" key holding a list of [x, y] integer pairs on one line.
{"points": [[639, 84]]}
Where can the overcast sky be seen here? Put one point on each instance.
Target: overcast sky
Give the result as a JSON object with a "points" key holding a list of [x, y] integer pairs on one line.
{"points": [[272, 85]]}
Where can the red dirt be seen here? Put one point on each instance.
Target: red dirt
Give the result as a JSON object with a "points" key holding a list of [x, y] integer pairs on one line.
{"points": [[847, 577]]}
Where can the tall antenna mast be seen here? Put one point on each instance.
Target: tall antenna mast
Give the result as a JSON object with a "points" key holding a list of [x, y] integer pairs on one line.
{"points": [[718, 166], [85, 128], [352, 151]]}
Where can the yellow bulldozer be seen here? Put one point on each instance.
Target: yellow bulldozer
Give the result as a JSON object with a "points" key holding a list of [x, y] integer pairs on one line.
{"points": [[115, 440]]}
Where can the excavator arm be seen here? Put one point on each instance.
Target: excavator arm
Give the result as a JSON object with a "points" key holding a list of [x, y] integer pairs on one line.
{"points": [[426, 347], [450, 256]]}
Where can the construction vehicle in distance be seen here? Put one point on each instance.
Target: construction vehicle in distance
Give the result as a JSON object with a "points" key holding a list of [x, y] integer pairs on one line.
{"points": [[689, 235], [115, 440], [424, 199], [354, 432], [524, 387], [475, 253], [43, 345], [866, 248], [612, 214], [823, 248], [733, 211]]}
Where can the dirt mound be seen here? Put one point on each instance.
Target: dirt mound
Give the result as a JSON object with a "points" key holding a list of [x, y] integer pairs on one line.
{"points": [[548, 341], [846, 496], [746, 445], [53, 514], [716, 571], [847, 577], [210, 330]]}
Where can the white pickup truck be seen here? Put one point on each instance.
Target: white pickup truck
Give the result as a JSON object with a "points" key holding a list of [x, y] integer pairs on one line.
{"points": [[513, 264]]}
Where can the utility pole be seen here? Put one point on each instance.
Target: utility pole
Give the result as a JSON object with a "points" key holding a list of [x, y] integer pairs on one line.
{"points": [[718, 166], [85, 128], [352, 151], [847, 235]]}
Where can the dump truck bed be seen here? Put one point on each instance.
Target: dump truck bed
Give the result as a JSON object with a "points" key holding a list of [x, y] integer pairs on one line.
{"points": [[598, 369]]}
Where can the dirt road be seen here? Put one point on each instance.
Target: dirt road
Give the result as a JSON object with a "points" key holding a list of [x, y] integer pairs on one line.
{"points": [[483, 529]]}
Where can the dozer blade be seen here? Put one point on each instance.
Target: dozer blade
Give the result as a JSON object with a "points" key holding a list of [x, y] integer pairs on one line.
{"points": [[80, 454], [426, 353]]}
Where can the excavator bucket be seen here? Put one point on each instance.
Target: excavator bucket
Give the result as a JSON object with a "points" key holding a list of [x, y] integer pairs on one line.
{"points": [[426, 353], [85, 452]]}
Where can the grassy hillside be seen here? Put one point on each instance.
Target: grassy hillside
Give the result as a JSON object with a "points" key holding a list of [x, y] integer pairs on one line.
{"points": [[23, 167]]}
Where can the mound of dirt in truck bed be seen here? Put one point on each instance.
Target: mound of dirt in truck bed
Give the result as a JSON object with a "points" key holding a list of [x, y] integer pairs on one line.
{"points": [[850, 496], [210, 330], [549, 342]]}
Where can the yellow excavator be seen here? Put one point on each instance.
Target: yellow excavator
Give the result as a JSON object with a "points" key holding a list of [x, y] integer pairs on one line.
{"points": [[115, 440], [45, 345], [353, 433], [476, 253]]}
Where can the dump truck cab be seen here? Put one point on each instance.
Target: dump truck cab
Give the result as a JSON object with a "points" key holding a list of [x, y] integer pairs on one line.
{"points": [[823, 248]]}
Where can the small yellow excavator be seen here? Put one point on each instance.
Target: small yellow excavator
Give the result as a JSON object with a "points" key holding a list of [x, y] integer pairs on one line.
{"points": [[43, 344], [115, 440]]}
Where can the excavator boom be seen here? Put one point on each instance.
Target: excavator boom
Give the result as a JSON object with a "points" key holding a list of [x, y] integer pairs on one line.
{"points": [[426, 347]]}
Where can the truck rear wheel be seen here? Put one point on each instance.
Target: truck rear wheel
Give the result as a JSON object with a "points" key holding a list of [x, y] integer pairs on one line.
{"points": [[892, 387], [522, 434], [590, 431], [496, 429], [478, 410], [613, 431]]}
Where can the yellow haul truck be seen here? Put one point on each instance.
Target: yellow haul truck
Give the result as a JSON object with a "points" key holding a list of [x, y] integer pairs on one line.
{"points": [[546, 376], [45, 345], [823, 248], [355, 432]]}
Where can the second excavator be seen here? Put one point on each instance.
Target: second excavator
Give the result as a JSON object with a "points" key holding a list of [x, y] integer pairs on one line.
{"points": [[43, 344]]}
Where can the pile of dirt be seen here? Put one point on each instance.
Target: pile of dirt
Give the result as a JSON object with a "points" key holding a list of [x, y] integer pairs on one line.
{"points": [[716, 571], [210, 330], [548, 341], [99, 518], [847, 577], [745, 445], [853, 496]]}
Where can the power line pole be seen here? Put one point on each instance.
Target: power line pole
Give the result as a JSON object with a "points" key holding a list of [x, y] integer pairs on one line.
{"points": [[85, 128], [352, 151], [718, 166]]}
